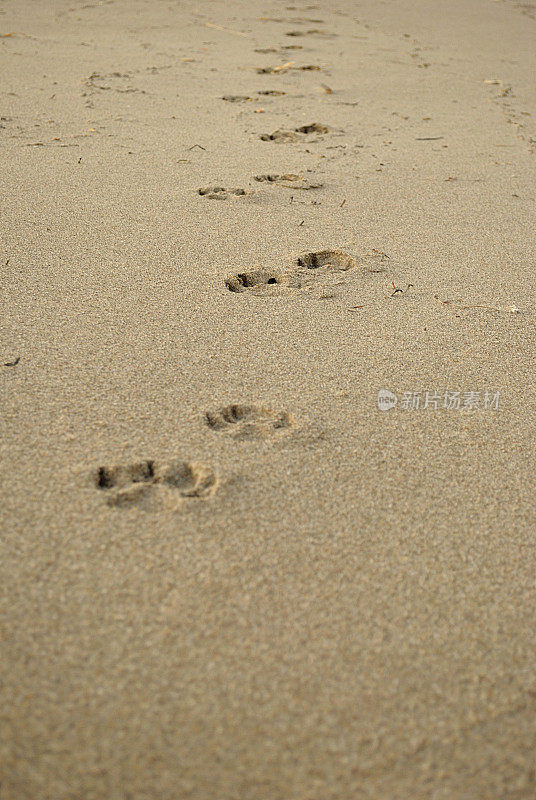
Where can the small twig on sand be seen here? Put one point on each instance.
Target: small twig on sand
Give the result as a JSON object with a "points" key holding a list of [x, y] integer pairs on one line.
{"points": [[283, 66], [12, 363], [402, 291]]}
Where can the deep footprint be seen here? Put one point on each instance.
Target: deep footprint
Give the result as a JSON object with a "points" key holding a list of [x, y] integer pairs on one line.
{"points": [[243, 281], [127, 484], [250, 422], [122, 475], [220, 192], [331, 259]]}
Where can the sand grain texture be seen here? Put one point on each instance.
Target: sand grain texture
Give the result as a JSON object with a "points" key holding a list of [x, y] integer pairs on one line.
{"points": [[309, 598]]}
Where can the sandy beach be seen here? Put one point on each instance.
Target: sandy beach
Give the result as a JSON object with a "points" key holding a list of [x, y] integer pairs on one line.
{"points": [[268, 400]]}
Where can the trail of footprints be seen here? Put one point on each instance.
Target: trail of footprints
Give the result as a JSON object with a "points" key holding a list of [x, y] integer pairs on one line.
{"points": [[286, 181], [289, 181], [173, 483]]}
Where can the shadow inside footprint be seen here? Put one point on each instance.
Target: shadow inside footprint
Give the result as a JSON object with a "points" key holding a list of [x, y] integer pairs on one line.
{"points": [[245, 422], [220, 192], [190, 479], [314, 127], [331, 259], [279, 136], [127, 484], [123, 475], [255, 278], [237, 98]]}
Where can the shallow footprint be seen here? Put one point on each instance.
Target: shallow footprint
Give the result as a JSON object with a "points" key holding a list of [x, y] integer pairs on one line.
{"points": [[279, 136], [290, 136], [236, 98], [289, 181], [220, 192], [190, 479], [374, 261], [250, 422]]}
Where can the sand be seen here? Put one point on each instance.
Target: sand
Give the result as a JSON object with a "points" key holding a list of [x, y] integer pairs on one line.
{"points": [[226, 572]]}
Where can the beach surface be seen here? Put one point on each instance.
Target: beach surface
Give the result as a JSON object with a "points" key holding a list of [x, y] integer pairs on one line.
{"points": [[268, 400]]}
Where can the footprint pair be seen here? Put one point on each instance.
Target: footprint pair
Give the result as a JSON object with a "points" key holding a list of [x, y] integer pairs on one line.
{"points": [[328, 261], [176, 481]]}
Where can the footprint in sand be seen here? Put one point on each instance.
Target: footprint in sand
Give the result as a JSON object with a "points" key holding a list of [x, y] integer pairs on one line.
{"points": [[250, 422], [320, 272], [279, 136], [317, 271], [112, 82], [237, 98], [128, 484], [284, 67], [296, 134], [221, 193], [311, 32], [334, 260], [259, 281], [288, 181], [278, 50], [314, 127]]}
